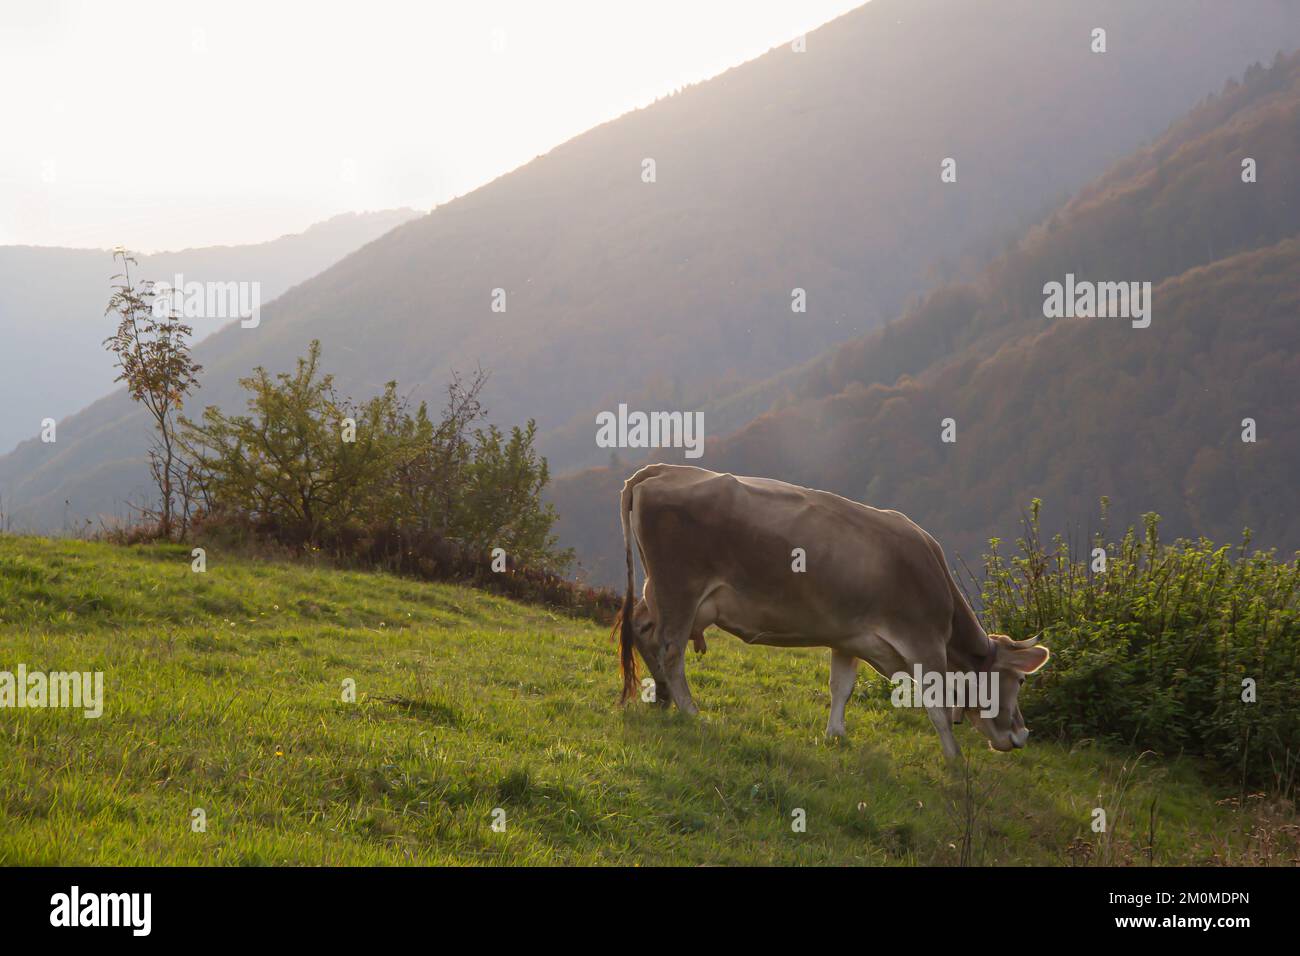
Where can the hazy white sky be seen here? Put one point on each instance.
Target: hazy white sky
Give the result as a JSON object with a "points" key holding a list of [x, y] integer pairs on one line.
{"points": [[157, 125]]}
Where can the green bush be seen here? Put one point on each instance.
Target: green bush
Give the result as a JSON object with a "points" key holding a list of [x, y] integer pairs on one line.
{"points": [[309, 469], [1156, 650]]}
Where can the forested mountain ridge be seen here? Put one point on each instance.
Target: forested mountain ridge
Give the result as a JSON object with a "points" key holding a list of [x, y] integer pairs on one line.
{"points": [[816, 170], [1070, 410]]}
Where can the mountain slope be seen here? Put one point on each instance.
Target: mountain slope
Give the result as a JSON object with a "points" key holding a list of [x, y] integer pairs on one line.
{"points": [[1070, 410], [817, 170], [52, 303]]}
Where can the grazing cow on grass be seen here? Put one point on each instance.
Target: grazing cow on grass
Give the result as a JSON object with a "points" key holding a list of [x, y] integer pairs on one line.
{"points": [[717, 549]]}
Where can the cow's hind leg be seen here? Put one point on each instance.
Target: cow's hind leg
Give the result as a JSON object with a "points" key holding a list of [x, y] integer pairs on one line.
{"points": [[674, 633], [674, 665], [844, 674]]}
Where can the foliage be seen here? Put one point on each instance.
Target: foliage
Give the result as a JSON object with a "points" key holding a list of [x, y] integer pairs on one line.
{"points": [[286, 464], [308, 468], [1153, 651]]}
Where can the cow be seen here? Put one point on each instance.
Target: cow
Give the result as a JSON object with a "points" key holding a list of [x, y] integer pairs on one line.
{"points": [[719, 549]]}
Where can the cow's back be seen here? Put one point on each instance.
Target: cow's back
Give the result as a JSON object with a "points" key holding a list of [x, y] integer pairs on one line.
{"points": [[700, 530]]}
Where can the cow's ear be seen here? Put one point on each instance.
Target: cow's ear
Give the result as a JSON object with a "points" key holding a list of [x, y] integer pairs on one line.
{"points": [[1024, 660]]}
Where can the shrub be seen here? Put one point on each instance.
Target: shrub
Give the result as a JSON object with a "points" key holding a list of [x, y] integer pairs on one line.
{"points": [[307, 469], [1156, 650]]}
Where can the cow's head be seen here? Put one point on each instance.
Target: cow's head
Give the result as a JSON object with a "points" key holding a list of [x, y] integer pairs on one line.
{"points": [[637, 632], [1009, 662]]}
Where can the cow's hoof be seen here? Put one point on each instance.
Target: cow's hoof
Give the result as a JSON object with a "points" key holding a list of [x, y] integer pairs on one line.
{"points": [[834, 733]]}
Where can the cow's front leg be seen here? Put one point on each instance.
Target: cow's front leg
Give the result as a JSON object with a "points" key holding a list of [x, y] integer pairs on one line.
{"points": [[844, 674], [941, 717]]}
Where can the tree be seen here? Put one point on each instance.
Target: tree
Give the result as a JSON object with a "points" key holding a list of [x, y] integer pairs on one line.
{"points": [[502, 499], [153, 353], [303, 461], [430, 477]]}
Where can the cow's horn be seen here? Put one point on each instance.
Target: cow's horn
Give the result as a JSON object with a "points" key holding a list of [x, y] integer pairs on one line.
{"points": [[1030, 641]]}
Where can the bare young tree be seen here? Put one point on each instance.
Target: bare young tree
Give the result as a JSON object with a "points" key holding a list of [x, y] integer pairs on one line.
{"points": [[153, 353]]}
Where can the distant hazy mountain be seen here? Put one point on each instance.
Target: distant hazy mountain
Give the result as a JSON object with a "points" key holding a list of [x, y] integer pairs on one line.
{"points": [[1071, 409], [817, 170], [52, 301]]}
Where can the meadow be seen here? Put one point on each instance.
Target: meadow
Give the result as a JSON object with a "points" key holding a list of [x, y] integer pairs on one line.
{"points": [[224, 692]]}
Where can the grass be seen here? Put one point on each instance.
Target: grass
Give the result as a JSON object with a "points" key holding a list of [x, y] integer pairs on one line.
{"points": [[223, 692]]}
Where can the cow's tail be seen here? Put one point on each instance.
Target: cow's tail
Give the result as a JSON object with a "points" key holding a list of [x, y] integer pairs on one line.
{"points": [[623, 623]]}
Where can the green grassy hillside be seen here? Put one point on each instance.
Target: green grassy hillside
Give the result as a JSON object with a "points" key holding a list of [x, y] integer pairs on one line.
{"points": [[223, 692]]}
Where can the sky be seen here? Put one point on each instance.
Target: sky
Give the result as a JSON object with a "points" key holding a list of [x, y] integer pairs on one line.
{"points": [[162, 125]]}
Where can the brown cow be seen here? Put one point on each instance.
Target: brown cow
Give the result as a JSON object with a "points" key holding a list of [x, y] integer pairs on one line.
{"points": [[718, 549]]}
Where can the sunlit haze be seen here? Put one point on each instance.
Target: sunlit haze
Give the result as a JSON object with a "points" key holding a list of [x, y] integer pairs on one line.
{"points": [[161, 125]]}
